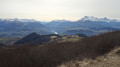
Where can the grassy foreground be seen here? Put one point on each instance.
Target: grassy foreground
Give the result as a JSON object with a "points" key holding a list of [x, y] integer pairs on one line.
{"points": [[55, 54]]}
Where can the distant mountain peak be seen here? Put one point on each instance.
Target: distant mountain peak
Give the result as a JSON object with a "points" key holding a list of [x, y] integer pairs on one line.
{"points": [[19, 20], [91, 18], [63, 20]]}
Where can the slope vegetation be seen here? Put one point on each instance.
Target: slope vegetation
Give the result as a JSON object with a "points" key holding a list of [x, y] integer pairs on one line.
{"points": [[55, 54]]}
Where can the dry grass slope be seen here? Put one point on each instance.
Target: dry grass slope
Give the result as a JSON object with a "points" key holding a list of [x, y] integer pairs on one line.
{"points": [[111, 59], [55, 54]]}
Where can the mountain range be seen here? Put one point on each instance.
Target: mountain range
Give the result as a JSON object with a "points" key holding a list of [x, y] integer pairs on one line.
{"points": [[15, 27], [87, 25]]}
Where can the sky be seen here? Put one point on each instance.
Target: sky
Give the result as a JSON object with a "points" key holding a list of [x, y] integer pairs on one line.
{"points": [[47, 10]]}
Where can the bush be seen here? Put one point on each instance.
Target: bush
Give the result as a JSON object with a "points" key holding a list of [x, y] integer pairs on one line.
{"points": [[53, 54]]}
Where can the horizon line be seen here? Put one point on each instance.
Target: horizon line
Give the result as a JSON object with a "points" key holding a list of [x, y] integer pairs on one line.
{"points": [[60, 19]]}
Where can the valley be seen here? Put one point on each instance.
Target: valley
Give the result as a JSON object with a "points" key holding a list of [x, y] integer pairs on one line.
{"points": [[59, 33], [59, 43]]}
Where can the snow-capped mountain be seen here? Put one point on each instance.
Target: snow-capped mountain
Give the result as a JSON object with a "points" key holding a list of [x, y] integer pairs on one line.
{"points": [[91, 18], [19, 20], [88, 25], [86, 18], [21, 27]]}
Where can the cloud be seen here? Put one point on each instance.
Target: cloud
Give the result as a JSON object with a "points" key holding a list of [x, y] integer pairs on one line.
{"points": [[59, 9]]}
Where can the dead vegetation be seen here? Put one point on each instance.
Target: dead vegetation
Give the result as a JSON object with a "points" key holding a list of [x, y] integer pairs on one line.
{"points": [[55, 54], [111, 59]]}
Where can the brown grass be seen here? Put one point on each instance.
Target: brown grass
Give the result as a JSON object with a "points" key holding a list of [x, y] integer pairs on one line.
{"points": [[111, 59], [54, 54]]}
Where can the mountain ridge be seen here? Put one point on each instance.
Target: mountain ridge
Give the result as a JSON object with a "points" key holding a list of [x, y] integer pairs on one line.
{"points": [[22, 27], [85, 18]]}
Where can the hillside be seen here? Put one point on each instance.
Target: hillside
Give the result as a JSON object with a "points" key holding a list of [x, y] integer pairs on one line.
{"points": [[21, 28], [2, 45], [54, 54], [9, 40], [38, 39], [35, 39], [111, 59]]}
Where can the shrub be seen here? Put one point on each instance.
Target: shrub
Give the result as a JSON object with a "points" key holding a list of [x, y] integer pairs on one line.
{"points": [[52, 54]]}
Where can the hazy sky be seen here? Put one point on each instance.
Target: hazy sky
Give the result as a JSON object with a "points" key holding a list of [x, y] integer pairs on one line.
{"points": [[46, 10]]}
